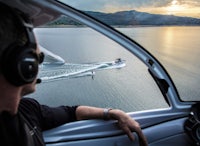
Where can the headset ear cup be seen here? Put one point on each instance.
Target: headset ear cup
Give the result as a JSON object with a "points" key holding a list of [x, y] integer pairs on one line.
{"points": [[20, 65], [28, 66]]}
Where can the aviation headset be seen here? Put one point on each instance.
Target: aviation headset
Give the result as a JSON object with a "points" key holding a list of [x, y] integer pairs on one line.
{"points": [[20, 61]]}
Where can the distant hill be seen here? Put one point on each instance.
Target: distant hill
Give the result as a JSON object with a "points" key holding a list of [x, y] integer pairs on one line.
{"points": [[133, 17]]}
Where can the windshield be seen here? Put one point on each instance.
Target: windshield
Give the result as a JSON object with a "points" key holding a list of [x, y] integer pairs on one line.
{"points": [[168, 29]]}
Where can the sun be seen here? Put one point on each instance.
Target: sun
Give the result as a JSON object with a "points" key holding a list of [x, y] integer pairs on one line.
{"points": [[174, 2], [174, 8]]}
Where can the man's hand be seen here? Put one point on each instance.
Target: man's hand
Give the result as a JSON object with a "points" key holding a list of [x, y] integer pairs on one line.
{"points": [[128, 125]]}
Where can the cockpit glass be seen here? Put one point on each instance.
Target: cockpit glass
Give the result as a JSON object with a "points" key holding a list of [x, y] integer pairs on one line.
{"points": [[170, 30]]}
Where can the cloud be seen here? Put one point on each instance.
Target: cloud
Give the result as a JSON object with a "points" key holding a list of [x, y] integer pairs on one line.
{"points": [[140, 5], [99, 5]]}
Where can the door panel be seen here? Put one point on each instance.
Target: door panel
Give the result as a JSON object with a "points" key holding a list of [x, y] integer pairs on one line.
{"points": [[168, 134], [106, 133]]}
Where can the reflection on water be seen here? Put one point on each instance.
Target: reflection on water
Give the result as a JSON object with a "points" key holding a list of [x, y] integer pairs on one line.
{"points": [[177, 48]]}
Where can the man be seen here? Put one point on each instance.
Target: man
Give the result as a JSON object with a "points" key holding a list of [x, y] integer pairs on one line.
{"points": [[22, 120]]}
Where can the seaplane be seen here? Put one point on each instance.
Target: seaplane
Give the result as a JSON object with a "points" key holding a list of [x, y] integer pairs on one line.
{"points": [[55, 67]]}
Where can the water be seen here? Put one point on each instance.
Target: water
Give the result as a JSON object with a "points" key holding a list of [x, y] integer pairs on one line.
{"points": [[178, 49], [130, 88]]}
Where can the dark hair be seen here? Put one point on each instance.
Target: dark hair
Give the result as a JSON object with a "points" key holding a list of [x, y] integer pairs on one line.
{"points": [[11, 29]]}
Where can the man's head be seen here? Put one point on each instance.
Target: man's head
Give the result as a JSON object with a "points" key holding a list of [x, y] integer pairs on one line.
{"points": [[18, 57]]}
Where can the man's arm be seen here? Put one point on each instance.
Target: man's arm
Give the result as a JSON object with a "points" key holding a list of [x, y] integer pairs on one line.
{"points": [[126, 123]]}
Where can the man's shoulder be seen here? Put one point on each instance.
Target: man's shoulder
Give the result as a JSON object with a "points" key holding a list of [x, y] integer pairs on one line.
{"points": [[28, 100], [28, 103]]}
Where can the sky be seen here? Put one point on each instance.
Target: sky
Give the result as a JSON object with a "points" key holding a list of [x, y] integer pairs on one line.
{"points": [[189, 8]]}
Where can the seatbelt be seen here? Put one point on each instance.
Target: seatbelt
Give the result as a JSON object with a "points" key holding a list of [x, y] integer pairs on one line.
{"points": [[31, 131], [30, 141]]}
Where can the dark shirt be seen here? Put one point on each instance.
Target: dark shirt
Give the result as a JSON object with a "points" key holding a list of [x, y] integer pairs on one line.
{"points": [[32, 118]]}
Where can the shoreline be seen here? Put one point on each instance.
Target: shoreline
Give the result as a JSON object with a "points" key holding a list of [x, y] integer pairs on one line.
{"points": [[115, 26]]}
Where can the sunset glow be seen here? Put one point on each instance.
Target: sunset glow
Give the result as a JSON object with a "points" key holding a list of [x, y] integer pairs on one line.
{"points": [[186, 8], [175, 8]]}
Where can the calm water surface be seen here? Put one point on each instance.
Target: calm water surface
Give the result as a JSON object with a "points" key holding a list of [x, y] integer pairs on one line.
{"points": [[177, 48]]}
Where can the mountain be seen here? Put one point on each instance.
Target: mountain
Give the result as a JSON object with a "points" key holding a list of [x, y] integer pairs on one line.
{"points": [[141, 18], [133, 17]]}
